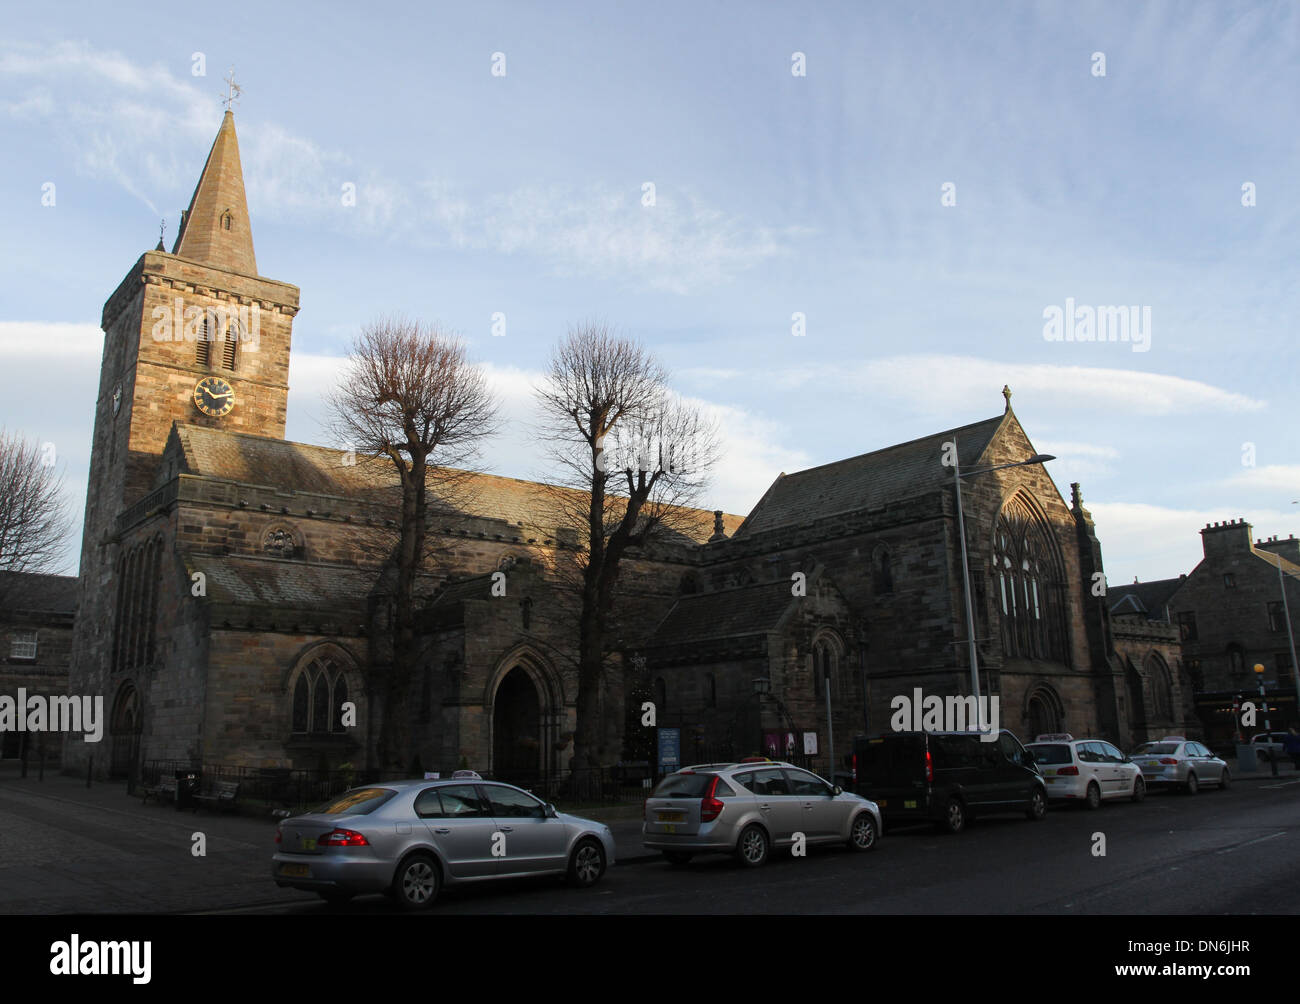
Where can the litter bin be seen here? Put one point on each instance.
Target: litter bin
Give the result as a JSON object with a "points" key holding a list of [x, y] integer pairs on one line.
{"points": [[187, 788]]}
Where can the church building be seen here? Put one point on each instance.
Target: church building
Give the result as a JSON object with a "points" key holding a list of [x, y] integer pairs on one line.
{"points": [[232, 596]]}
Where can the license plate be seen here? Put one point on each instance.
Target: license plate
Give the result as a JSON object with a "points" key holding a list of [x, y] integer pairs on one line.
{"points": [[672, 817], [670, 828], [308, 843], [910, 804], [297, 871], [883, 803]]}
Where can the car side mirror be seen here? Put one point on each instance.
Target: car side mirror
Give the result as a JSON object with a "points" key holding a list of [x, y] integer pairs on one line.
{"points": [[837, 790], [551, 812]]}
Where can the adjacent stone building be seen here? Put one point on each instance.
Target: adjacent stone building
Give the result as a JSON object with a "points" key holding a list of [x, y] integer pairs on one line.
{"points": [[36, 620], [1159, 690], [1231, 612], [234, 594]]}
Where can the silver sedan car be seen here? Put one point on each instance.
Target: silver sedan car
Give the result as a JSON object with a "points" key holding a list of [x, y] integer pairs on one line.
{"points": [[1177, 762], [750, 807], [409, 838]]}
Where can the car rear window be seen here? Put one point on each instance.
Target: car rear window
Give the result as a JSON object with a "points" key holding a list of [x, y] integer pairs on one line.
{"points": [[1159, 748], [684, 786], [357, 802], [1051, 755]]}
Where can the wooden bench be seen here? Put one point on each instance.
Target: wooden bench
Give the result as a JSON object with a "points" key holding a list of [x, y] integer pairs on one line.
{"points": [[164, 790], [221, 797]]}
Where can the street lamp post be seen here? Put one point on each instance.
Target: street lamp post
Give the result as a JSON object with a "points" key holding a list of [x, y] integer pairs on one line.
{"points": [[1263, 706], [957, 475]]}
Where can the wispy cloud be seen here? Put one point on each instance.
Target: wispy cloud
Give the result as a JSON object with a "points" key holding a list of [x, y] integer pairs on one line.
{"points": [[114, 116], [945, 383]]}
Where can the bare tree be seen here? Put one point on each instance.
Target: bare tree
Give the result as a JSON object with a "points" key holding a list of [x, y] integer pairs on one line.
{"points": [[631, 458], [410, 401], [34, 514]]}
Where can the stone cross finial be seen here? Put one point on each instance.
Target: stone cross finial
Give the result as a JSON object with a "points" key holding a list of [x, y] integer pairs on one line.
{"points": [[1006, 392], [233, 90]]}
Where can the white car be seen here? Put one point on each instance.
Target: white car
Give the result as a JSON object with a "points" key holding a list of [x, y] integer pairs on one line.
{"points": [[1085, 770]]}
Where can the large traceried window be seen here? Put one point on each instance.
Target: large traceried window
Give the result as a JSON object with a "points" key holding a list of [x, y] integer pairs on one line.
{"points": [[1028, 586], [319, 694]]}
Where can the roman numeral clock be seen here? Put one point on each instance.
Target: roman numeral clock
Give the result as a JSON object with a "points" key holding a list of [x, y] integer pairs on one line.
{"points": [[214, 397]]}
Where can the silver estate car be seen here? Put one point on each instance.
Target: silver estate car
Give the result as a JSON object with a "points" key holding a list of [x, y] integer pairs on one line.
{"points": [[1176, 761], [750, 807], [409, 838]]}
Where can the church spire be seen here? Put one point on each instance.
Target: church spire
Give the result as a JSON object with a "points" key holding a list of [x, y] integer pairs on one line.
{"points": [[215, 229]]}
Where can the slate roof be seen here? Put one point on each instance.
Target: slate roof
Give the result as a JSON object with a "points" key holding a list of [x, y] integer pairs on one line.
{"points": [[867, 481], [724, 613], [277, 463], [36, 592], [1149, 598], [241, 580]]}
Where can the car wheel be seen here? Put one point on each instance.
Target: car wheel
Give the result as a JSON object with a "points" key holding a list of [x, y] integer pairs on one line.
{"points": [[417, 882], [752, 846], [862, 833], [587, 863], [954, 816], [1225, 779], [1192, 786], [678, 857], [1139, 789], [1037, 805], [1093, 796]]}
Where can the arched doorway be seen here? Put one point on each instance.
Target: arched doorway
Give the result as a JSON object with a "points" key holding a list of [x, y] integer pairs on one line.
{"points": [[1041, 714], [517, 729], [125, 728]]}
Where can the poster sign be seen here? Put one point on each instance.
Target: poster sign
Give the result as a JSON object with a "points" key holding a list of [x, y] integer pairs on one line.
{"points": [[810, 743], [670, 750]]}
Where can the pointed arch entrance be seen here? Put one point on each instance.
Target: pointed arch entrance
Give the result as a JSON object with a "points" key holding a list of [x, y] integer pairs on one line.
{"points": [[516, 729], [125, 727], [525, 702]]}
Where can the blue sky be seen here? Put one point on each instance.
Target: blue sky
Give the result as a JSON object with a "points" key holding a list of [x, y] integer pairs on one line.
{"points": [[775, 194]]}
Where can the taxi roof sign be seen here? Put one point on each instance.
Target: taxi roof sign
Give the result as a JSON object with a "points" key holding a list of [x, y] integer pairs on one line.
{"points": [[1055, 737], [470, 775]]}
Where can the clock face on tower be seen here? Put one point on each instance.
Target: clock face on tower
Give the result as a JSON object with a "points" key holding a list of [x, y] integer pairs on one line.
{"points": [[213, 396]]}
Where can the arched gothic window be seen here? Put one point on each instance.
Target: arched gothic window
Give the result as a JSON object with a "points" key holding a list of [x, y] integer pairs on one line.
{"points": [[1028, 585], [826, 660], [882, 571], [1162, 688], [318, 696]]}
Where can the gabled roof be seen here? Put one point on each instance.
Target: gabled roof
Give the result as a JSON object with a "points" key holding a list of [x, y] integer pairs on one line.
{"points": [[725, 613], [1149, 598], [215, 230], [300, 467], [36, 592], [869, 480]]}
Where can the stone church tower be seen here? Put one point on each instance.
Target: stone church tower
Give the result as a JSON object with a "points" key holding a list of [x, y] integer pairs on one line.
{"points": [[192, 336]]}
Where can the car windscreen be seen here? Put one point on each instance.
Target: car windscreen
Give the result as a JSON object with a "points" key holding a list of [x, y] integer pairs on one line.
{"points": [[1051, 754], [1157, 748], [357, 802], [683, 786]]}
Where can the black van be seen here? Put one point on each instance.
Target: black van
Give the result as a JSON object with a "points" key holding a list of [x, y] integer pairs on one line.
{"points": [[947, 777]]}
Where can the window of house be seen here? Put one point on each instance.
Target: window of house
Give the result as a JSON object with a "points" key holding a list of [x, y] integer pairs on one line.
{"points": [[882, 571], [318, 698], [711, 690], [1229, 581], [1276, 618], [1028, 585], [1187, 625], [229, 347], [22, 645], [203, 346]]}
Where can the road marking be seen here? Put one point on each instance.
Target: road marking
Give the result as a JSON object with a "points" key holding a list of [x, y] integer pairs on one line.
{"points": [[1257, 840], [1282, 785]]}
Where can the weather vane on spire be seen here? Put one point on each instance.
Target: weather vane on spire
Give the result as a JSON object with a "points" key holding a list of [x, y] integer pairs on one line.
{"points": [[233, 90]]}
